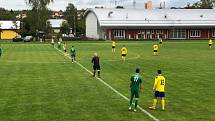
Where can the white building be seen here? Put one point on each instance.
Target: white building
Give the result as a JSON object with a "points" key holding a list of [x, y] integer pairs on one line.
{"points": [[114, 23], [56, 24], [9, 29]]}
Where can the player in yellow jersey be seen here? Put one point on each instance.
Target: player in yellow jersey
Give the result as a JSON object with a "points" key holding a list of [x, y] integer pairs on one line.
{"points": [[155, 48], [159, 90], [113, 46], [64, 48], [210, 42], [124, 52]]}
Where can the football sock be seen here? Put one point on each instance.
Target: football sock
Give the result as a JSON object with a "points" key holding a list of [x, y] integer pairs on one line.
{"points": [[99, 73], [154, 103], [136, 103], [94, 72], [131, 100], [163, 104]]}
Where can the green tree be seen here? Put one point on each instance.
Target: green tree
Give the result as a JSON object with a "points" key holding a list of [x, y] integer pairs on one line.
{"points": [[203, 4], [65, 29], [48, 28], [8, 15], [38, 16], [71, 16], [38, 4], [81, 22]]}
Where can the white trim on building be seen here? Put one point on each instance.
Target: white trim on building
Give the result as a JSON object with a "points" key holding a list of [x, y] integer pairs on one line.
{"points": [[213, 33]]}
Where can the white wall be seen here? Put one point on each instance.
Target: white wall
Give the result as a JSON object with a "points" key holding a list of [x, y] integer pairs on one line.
{"points": [[91, 26]]}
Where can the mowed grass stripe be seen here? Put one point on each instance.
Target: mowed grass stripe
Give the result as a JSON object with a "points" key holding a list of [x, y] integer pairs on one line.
{"points": [[54, 91], [109, 86], [188, 67]]}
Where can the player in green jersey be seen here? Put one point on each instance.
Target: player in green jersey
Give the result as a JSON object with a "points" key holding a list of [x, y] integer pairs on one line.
{"points": [[59, 45], [73, 54], [135, 86]]}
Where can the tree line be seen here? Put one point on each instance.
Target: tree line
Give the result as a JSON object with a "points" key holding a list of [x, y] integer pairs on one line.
{"points": [[37, 17]]}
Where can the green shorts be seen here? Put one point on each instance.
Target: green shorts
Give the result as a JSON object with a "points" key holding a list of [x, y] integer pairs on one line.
{"points": [[135, 93]]}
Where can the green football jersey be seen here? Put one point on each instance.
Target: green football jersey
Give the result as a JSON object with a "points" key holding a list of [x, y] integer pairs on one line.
{"points": [[73, 51], [136, 81]]}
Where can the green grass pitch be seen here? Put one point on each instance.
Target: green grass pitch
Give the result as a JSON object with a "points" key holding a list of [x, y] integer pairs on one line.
{"points": [[38, 83]]}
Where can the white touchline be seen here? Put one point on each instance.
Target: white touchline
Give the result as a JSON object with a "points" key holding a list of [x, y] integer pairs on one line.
{"points": [[102, 81]]}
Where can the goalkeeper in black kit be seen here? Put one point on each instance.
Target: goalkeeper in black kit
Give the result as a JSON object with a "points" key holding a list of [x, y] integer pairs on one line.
{"points": [[96, 65]]}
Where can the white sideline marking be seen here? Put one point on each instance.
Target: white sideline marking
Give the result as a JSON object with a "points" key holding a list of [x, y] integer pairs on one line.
{"points": [[102, 81]]}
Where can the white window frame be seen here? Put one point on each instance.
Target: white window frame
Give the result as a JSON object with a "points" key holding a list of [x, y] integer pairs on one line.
{"points": [[119, 33], [195, 33], [178, 34], [213, 33]]}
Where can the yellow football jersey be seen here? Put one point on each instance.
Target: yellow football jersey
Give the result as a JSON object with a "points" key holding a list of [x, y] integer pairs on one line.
{"points": [[160, 83], [113, 43], [155, 47], [64, 46], [210, 41], [124, 50]]}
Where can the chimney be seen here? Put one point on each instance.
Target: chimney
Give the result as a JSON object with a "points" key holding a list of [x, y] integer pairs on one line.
{"points": [[148, 5]]}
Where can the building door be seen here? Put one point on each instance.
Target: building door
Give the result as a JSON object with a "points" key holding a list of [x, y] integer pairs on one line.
{"points": [[148, 36]]}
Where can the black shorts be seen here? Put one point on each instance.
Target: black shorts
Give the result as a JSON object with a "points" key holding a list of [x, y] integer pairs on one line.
{"points": [[210, 44], [159, 94], [72, 55], [160, 42], [155, 50], [113, 46], [96, 67], [64, 50], [123, 55]]}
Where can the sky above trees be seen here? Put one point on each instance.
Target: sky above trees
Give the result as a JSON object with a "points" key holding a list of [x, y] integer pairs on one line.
{"points": [[61, 4]]}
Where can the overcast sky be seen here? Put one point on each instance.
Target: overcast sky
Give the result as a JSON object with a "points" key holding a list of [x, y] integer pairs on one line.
{"points": [[61, 4]]}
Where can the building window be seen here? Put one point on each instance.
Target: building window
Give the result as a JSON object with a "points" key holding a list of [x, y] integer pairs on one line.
{"points": [[177, 34], [213, 33], [152, 31], [148, 32], [159, 31], [119, 33], [195, 33]]}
